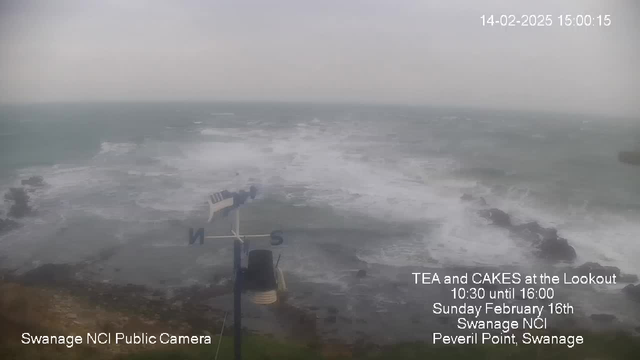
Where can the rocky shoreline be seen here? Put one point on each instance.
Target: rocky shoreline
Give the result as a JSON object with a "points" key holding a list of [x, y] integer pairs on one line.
{"points": [[196, 309], [19, 198], [549, 246]]}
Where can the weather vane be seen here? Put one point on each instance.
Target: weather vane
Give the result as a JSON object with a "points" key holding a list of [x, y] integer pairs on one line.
{"points": [[262, 278]]}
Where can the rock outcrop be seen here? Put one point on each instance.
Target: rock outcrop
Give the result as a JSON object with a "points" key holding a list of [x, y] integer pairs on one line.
{"points": [[629, 157], [557, 249], [20, 199], [534, 232], [35, 181], [549, 245], [497, 216], [597, 270], [633, 291], [628, 278]]}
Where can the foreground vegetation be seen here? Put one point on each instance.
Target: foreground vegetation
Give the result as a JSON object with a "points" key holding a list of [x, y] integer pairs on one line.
{"points": [[47, 311], [602, 346]]}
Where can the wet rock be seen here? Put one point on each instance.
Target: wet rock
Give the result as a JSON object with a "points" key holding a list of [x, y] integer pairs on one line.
{"points": [[597, 269], [35, 181], [603, 318], [331, 319], [633, 291], [467, 197], [629, 157], [557, 250], [332, 310], [361, 273], [497, 216], [534, 232], [20, 199], [628, 278]]}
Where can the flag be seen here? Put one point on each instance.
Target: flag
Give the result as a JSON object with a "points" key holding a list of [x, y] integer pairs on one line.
{"points": [[218, 202]]}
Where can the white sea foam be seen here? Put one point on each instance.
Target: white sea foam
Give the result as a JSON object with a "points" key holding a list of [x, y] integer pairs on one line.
{"points": [[116, 148], [216, 132], [346, 167], [329, 165]]}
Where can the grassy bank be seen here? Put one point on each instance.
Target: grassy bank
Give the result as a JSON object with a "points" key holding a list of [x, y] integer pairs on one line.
{"points": [[49, 311], [600, 346]]}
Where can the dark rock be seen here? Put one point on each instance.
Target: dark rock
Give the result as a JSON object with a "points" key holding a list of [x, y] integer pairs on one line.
{"points": [[528, 236], [629, 157], [20, 199], [331, 319], [35, 181], [497, 216], [597, 269], [332, 310], [535, 232], [7, 225], [603, 318], [470, 198], [633, 291], [361, 273], [557, 250], [628, 278], [467, 197]]}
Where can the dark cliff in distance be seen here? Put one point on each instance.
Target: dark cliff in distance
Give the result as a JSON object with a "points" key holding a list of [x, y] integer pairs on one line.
{"points": [[629, 157]]}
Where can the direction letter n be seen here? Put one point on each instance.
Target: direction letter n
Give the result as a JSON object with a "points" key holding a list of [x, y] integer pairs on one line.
{"points": [[193, 237]]}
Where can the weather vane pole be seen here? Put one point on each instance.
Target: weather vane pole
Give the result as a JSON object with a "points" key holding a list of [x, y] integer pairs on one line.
{"points": [[226, 201]]}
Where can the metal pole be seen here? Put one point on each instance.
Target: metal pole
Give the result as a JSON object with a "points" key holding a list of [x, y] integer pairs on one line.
{"points": [[237, 292]]}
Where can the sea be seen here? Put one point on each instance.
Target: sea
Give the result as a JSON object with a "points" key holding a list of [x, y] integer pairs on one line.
{"points": [[352, 187]]}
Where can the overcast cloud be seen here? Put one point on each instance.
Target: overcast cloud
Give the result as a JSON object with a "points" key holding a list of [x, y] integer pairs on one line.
{"points": [[394, 51]]}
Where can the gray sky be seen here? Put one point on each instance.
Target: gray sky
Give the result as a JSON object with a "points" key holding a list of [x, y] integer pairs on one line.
{"points": [[373, 51]]}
